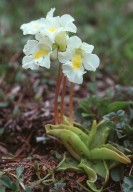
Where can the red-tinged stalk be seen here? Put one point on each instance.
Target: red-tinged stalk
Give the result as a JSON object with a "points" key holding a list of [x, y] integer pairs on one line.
{"points": [[58, 117], [71, 102], [57, 89], [62, 99]]}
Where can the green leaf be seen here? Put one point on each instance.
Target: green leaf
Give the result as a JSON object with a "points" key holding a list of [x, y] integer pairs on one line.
{"points": [[68, 163], [2, 94], [5, 181], [111, 153], [19, 171], [16, 112], [28, 189], [92, 133], [128, 130], [117, 173], [2, 173], [82, 135], [93, 187], [127, 185], [117, 105], [72, 139], [87, 115], [92, 176], [58, 156], [2, 189], [3, 104], [15, 187], [66, 121], [100, 167], [103, 130], [58, 186], [2, 131]]}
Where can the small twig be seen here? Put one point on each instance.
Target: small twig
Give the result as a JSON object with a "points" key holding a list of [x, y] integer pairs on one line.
{"points": [[33, 151], [18, 152], [130, 172], [108, 188]]}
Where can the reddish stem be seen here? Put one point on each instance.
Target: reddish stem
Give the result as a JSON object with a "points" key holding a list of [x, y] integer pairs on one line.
{"points": [[71, 102], [62, 99], [59, 79]]}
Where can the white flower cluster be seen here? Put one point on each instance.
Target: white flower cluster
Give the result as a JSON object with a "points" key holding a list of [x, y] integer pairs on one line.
{"points": [[52, 40]]}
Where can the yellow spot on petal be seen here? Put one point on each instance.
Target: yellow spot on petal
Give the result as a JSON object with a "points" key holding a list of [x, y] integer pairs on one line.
{"points": [[52, 29], [77, 61], [40, 53]]}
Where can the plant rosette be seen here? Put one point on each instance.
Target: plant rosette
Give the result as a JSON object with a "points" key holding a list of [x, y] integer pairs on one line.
{"points": [[90, 151]]}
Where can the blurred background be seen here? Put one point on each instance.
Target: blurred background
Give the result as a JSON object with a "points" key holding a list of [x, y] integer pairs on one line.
{"points": [[108, 25]]}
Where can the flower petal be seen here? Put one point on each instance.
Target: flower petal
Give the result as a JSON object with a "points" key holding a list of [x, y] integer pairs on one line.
{"points": [[50, 13], [67, 18], [42, 38], [28, 62], [66, 22], [30, 47], [52, 35], [87, 48], [71, 28], [46, 62], [64, 56], [32, 27], [73, 75], [91, 62], [74, 42]]}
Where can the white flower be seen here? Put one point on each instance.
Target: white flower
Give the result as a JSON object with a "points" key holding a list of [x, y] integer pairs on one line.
{"points": [[56, 25], [37, 54], [44, 39], [77, 58], [53, 27], [32, 27], [56, 28]]}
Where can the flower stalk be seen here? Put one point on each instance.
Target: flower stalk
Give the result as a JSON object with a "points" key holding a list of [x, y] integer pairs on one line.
{"points": [[62, 99], [57, 89], [71, 102]]}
